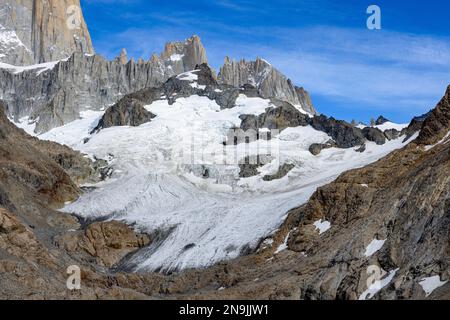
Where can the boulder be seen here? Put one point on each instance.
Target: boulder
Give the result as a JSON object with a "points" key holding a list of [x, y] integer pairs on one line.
{"points": [[437, 125]]}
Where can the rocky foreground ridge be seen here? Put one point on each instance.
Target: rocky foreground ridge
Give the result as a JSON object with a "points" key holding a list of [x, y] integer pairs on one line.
{"points": [[402, 200]]}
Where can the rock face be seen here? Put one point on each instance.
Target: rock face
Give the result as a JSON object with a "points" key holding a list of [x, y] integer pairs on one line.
{"points": [[380, 120], [281, 116], [437, 125], [184, 56], [268, 80], [127, 112], [42, 31]]}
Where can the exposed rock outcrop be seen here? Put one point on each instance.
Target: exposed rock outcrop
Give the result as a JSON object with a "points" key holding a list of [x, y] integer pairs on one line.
{"points": [[316, 148], [281, 116], [374, 134], [268, 80], [184, 56], [380, 120], [344, 134], [437, 125], [42, 30], [127, 112], [250, 164], [108, 242]]}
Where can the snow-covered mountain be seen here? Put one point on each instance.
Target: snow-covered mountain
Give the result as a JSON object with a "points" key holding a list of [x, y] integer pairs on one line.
{"points": [[177, 175], [210, 164]]}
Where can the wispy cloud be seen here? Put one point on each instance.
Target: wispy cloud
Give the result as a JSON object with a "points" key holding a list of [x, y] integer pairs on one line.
{"points": [[391, 72]]}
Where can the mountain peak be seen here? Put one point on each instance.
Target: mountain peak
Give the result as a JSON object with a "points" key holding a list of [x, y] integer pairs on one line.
{"points": [[45, 30], [123, 57], [270, 82], [184, 56]]}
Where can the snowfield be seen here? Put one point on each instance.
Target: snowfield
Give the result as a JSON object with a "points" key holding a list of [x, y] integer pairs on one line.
{"points": [[159, 183]]}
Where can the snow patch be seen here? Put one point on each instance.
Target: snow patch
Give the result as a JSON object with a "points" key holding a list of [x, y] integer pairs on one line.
{"points": [[322, 226], [431, 283], [391, 125], [176, 57], [39, 68]]}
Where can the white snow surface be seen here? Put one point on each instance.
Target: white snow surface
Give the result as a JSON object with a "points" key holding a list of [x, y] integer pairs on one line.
{"points": [[431, 283], [207, 220], [190, 76], [10, 42], [176, 57], [39, 68], [373, 247], [284, 245], [390, 125]]}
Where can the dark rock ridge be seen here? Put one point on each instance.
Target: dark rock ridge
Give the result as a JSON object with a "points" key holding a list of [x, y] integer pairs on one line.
{"points": [[374, 135], [127, 112], [344, 135], [316, 148], [283, 114], [381, 120], [281, 173], [250, 164], [437, 125]]}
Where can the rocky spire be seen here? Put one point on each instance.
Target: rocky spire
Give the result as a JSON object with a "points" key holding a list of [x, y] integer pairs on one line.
{"points": [[184, 56], [123, 57], [42, 30]]}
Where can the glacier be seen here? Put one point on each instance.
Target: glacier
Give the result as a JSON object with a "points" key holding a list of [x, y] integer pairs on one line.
{"points": [[201, 220]]}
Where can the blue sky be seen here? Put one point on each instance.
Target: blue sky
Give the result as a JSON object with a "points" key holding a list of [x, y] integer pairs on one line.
{"points": [[324, 46]]}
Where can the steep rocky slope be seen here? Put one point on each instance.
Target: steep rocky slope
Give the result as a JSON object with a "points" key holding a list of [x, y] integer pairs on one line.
{"points": [[38, 243], [43, 30]]}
